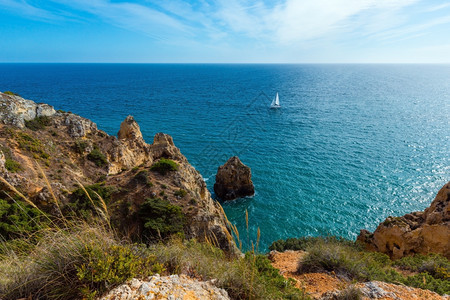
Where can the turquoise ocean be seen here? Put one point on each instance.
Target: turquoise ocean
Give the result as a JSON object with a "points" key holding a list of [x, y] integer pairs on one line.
{"points": [[351, 145]]}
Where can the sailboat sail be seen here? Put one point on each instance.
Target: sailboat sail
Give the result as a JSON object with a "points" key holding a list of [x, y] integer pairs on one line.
{"points": [[275, 102]]}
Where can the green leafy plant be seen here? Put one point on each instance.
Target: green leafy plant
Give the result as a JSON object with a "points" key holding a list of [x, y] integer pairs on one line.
{"points": [[164, 166]]}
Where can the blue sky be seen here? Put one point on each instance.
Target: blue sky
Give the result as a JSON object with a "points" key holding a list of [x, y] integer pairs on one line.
{"points": [[224, 31]]}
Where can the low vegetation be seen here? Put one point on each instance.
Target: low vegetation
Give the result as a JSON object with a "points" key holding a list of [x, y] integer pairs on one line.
{"points": [[160, 219], [180, 193], [11, 93], [97, 157], [142, 177], [80, 146], [33, 145], [12, 165], [164, 166], [249, 277], [78, 258], [38, 123], [348, 259], [84, 201]]}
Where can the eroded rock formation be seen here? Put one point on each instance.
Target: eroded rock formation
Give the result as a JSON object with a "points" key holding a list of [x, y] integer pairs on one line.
{"points": [[417, 232], [70, 149], [15, 110], [234, 180]]}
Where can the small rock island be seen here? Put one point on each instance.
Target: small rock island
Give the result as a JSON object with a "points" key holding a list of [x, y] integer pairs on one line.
{"points": [[234, 180]]}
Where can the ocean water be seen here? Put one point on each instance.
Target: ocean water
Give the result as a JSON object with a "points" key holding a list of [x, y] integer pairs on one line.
{"points": [[351, 145]]}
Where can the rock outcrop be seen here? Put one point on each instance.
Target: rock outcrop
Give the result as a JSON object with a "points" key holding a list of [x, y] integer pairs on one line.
{"points": [[70, 149], [15, 110], [417, 232], [233, 180], [167, 287], [382, 290]]}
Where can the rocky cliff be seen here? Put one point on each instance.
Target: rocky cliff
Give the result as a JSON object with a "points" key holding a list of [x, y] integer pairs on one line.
{"points": [[418, 232], [45, 152]]}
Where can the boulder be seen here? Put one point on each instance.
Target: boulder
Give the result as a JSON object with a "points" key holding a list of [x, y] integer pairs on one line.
{"points": [[418, 232], [233, 180]]}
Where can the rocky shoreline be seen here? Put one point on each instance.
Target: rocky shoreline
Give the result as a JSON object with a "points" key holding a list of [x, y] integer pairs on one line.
{"points": [[65, 166]]}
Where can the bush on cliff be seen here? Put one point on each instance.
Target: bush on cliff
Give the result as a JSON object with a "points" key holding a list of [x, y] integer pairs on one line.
{"points": [[38, 123], [97, 157], [160, 219], [18, 219], [80, 205], [12, 165], [164, 166]]}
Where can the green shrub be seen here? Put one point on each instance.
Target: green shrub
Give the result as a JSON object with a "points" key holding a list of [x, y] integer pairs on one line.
{"points": [[425, 280], [109, 267], [26, 142], [18, 219], [12, 165], [434, 264], [97, 157], [160, 219], [38, 123], [81, 206], [164, 166], [11, 93], [142, 177], [347, 261], [80, 146], [180, 193]]}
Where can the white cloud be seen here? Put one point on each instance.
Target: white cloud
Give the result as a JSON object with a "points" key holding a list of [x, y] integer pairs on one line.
{"points": [[28, 10]]}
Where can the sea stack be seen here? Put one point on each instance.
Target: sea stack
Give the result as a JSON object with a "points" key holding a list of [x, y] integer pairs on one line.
{"points": [[418, 232], [233, 180]]}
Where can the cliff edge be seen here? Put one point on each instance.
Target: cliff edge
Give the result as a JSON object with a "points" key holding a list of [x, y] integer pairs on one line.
{"points": [[417, 232], [45, 152]]}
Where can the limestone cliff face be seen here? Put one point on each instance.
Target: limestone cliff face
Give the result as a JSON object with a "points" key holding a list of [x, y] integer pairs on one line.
{"points": [[417, 232], [70, 148], [234, 180], [15, 110]]}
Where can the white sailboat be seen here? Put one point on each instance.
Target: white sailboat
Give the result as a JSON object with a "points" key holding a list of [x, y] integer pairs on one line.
{"points": [[275, 102]]}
